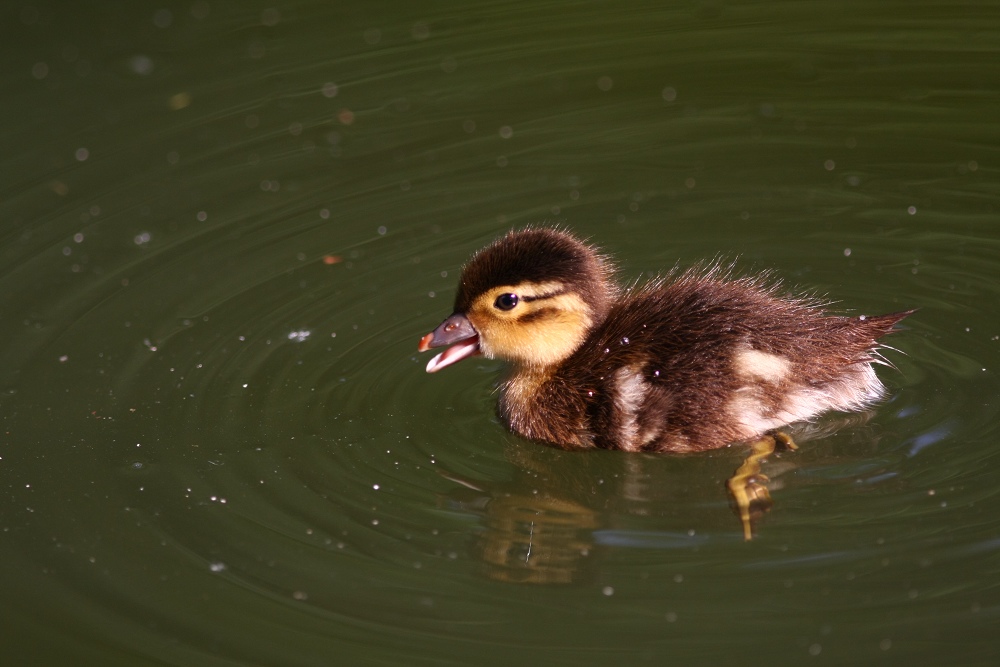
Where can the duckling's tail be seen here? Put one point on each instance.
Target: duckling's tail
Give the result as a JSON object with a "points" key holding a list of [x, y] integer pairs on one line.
{"points": [[880, 325]]}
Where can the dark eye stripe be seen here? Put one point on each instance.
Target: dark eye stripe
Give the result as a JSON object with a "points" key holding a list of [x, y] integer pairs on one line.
{"points": [[543, 296], [536, 315]]}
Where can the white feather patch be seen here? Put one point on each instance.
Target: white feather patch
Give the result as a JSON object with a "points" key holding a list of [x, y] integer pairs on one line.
{"points": [[855, 390], [630, 392], [757, 365]]}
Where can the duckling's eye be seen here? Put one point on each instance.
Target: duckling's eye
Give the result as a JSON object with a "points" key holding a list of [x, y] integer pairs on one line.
{"points": [[506, 301]]}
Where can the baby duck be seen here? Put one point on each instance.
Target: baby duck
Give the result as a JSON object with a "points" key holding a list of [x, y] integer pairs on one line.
{"points": [[690, 362]]}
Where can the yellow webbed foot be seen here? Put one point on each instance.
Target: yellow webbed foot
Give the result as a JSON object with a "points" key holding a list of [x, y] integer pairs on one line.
{"points": [[748, 486]]}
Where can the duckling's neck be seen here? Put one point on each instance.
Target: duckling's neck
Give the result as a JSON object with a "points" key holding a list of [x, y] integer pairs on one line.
{"points": [[525, 406]]}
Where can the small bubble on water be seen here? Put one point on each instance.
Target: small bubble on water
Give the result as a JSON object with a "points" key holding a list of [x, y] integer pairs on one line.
{"points": [[162, 18], [270, 17], [141, 64], [420, 30], [217, 567]]}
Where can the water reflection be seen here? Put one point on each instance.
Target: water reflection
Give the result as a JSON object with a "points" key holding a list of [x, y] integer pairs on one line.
{"points": [[549, 522], [557, 514], [173, 231]]}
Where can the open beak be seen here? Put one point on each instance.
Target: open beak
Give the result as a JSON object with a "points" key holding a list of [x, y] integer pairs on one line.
{"points": [[456, 331]]}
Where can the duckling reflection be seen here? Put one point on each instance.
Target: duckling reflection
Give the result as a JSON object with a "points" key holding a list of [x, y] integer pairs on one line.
{"points": [[688, 363], [559, 513]]}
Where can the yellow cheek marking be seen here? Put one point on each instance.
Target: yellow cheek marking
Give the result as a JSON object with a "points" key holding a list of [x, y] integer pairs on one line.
{"points": [[514, 335]]}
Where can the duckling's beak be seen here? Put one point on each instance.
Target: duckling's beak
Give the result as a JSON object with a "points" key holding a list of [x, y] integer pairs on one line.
{"points": [[456, 331]]}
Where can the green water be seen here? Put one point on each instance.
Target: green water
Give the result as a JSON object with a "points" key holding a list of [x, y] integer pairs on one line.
{"points": [[225, 225]]}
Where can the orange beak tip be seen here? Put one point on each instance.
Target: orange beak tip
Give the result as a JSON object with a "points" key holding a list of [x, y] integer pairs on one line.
{"points": [[425, 342]]}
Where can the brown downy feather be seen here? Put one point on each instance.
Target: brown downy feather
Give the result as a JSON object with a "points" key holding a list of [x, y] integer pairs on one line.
{"points": [[684, 363]]}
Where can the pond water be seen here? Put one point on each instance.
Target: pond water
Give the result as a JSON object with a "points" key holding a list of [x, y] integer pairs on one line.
{"points": [[225, 225]]}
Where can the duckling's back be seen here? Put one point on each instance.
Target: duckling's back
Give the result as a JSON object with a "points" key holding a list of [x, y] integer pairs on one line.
{"points": [[697, 362]]}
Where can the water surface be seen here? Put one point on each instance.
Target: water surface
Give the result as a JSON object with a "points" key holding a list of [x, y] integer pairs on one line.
{"points": [[224, 227]]}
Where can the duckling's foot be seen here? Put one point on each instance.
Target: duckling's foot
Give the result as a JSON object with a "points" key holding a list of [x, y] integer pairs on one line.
{"points": [[748, 485]]}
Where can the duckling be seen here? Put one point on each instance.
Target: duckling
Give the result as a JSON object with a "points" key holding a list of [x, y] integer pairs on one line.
{"points": [[692, 361]]}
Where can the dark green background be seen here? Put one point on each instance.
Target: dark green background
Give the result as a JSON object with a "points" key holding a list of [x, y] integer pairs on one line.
{"points": [[218, 449]]}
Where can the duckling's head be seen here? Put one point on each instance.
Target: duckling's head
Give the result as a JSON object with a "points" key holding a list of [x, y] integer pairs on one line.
{"points": [[531, 297]]}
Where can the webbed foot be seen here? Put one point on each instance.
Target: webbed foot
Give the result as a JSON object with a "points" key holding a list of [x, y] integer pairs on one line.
{"points": [[748, 485]]}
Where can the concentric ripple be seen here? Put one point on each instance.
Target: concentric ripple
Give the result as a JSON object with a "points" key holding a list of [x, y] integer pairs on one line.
{"points": [[225, 228]]}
